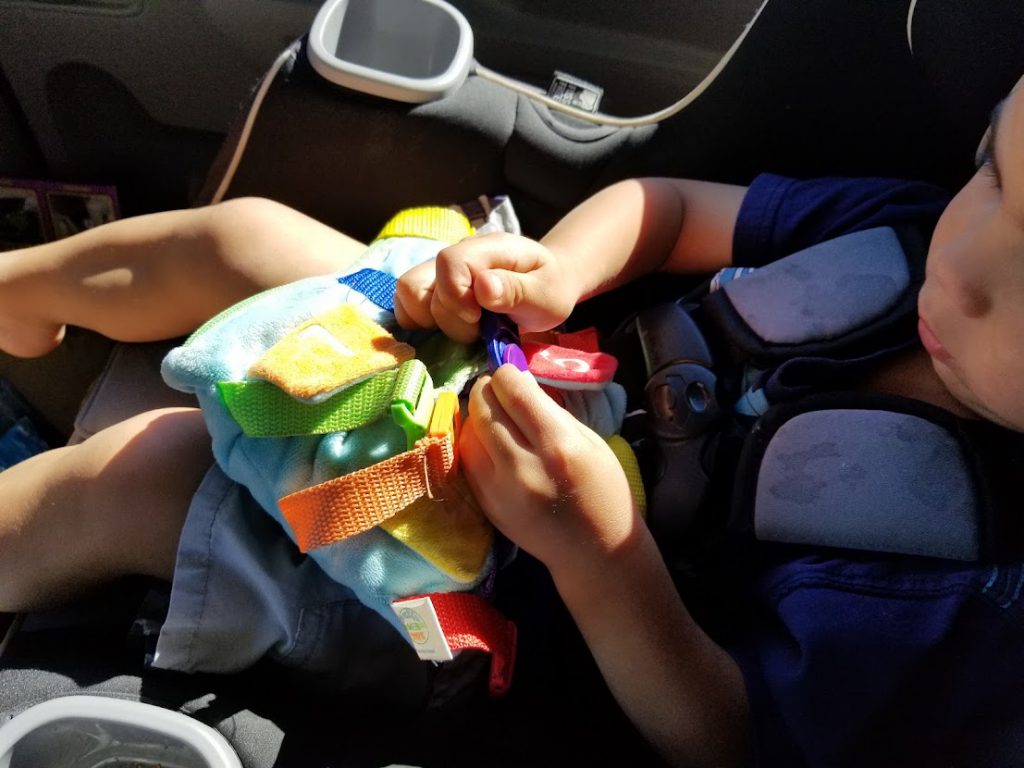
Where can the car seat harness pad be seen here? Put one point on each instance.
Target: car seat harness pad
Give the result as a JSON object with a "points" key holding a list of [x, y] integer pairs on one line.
{"points": [[770, 443]]}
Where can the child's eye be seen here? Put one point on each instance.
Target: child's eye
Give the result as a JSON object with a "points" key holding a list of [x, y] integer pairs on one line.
{"points": [[983, 155]]}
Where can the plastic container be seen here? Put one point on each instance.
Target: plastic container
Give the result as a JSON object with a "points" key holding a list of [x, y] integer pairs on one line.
{"points": [[406, 50], [97, 732]]}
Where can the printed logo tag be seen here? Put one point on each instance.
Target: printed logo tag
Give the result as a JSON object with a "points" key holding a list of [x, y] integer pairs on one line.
{"points": [[419, 618]]}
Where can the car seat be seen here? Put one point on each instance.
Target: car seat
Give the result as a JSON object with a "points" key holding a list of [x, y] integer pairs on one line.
{"points": [[863, 88]]}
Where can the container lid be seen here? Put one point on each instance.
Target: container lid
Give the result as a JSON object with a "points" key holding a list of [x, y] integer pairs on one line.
{"points": [[407, 50], [94, 731]]}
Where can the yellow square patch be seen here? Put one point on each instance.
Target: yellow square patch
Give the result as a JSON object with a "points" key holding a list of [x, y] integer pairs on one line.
{"points": [[451, 534], [338, 348]]}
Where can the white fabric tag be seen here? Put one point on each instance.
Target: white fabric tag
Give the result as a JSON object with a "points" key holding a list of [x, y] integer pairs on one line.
{"points": [[420, 621]]}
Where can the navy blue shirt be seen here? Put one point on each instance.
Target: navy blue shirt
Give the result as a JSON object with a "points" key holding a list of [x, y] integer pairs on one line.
{"points": [[859, 658], [780, 215]]}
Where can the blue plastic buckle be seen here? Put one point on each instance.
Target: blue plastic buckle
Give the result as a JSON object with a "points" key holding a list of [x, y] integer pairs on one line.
{"points": [[501, 338]]}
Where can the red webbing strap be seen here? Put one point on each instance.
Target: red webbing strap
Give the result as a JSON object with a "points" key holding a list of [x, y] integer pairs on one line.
{"points": [[353, 503], [469, 621]]}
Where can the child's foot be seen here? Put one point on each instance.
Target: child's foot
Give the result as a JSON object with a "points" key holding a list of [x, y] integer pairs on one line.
{"points": [[22, 332], [28, 339]]}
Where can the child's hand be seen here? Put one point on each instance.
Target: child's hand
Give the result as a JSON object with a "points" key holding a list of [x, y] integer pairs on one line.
{"points": [[546, 481], [500, 272]]}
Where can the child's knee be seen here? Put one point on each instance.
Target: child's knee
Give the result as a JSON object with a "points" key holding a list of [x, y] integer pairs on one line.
{"points": [[272, 243], [242, 219], [141, 475], [113, 505], [166, 446]]}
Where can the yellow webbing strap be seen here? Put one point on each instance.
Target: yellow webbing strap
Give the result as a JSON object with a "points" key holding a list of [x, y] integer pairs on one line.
{"points": [[627, 459], [435, 222]]}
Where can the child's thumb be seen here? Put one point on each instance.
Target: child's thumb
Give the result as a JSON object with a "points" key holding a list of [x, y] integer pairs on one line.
{"points": [[501, 290]]}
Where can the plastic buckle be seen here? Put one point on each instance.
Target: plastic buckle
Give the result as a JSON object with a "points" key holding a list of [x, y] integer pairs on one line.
{"points": [[412, 402], [445, 422], [501, 339], [575, 92], [446, 418], [682, 409]]}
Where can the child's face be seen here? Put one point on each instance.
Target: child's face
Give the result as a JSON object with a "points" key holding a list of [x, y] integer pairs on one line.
{"points": [[972, 302]]}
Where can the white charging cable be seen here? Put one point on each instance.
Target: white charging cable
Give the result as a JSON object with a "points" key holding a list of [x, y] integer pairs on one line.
{"points": [[538, 94]]}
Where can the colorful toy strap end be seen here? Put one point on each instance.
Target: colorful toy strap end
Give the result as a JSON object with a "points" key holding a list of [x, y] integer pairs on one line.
{"points": [[432, 221], [441, 624]]}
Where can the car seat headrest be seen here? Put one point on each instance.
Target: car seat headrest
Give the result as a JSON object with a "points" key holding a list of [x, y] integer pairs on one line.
{"points": [[972, 53]]}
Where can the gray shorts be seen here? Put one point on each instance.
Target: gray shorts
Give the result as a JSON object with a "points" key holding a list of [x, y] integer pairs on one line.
{"points": [[242, 591]]}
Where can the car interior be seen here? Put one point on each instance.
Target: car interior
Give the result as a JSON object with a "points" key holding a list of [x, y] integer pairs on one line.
{"points": [[343, 111]]}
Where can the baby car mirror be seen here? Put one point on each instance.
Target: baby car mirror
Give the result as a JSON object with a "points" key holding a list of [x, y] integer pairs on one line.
{"points": [[406, 50]]}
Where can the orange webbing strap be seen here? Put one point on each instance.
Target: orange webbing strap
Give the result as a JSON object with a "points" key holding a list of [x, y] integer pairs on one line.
{"points": [[469, 621], [353, 503]]}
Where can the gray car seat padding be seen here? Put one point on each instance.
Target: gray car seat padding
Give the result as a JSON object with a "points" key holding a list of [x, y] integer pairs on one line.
{"points": [[129, 384], [356, 158], [878, 472], [810, 296], [853, 295], [869, 480]]}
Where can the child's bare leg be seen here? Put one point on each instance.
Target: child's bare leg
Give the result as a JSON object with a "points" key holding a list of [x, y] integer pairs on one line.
{"points": [[161, 275], [75, 517]]}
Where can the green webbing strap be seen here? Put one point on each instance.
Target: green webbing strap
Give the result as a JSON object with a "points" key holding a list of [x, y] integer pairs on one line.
{"points": [[263, 410], [412, 403]]}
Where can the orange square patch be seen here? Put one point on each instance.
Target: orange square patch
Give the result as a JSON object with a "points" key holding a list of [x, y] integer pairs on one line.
{"points": [[329, 352]]}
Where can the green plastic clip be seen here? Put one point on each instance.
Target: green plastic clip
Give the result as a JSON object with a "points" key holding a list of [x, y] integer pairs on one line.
{"points": [[413, 400]]}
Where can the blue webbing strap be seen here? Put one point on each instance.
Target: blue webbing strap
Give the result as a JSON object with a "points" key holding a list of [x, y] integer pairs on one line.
{"points": [[377, 286]]}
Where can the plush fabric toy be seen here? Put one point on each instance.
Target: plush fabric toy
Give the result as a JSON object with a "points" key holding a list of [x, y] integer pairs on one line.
{"points": [[344, 428]]}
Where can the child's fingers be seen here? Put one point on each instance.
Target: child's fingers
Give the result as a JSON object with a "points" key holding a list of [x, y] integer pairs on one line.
{"points": [[451, 322], [501, 290], [489, 288], [540, 420], [530, 299], [477, 466], [496, 430], [413, 295], [460, 265], [455, 283]]}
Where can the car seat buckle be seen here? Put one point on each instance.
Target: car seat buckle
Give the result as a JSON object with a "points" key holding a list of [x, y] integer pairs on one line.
{"points": [[575, 92]]}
